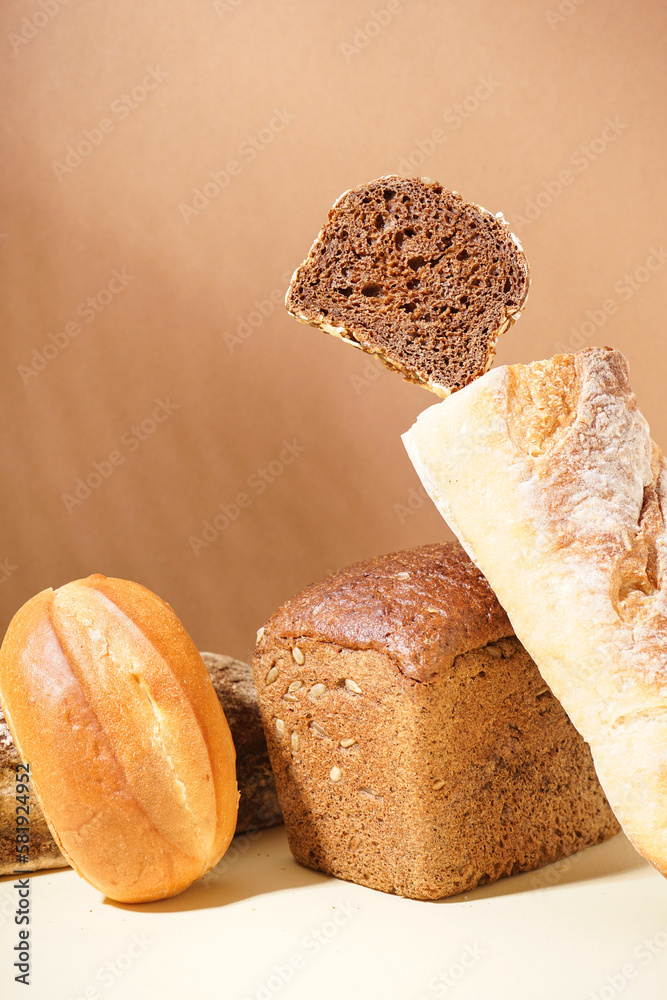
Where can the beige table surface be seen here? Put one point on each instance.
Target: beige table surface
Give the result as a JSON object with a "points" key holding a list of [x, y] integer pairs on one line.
{"points": [[261, 926]]}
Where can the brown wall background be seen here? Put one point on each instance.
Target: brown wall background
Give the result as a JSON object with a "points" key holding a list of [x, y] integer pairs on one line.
{"points": [[520, 93]]}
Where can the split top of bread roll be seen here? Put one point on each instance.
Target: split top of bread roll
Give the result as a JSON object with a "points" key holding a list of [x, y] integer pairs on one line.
{"points": [[548, 475], [131, 757], [414, 274]]}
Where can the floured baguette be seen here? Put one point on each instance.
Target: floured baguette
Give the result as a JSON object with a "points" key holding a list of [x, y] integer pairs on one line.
{"points": [[416, 275], [548, 475]]}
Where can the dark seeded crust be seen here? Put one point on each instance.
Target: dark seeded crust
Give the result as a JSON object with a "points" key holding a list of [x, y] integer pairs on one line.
{"points": [[421, 606], [233, 682], [258, 806], [413, 273], [420, 788], [43, 850]]}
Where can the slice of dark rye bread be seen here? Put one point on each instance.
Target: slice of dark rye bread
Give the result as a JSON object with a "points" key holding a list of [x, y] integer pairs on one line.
{"points": [[416, 275]]}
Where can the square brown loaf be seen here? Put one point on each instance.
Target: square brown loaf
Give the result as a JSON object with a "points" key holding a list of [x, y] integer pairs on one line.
{"points": [[416, 749]]}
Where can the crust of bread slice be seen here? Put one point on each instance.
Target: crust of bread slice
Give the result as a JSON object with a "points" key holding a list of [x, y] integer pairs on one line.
{"points": [[548, 475]]}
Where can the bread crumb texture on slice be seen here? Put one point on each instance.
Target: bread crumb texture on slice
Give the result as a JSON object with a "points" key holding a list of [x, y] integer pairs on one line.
{"points": [[411, 272]]}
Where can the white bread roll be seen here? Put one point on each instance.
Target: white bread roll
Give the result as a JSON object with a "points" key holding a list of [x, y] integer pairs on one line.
{"points": [[130, 754], [548, 475]]}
